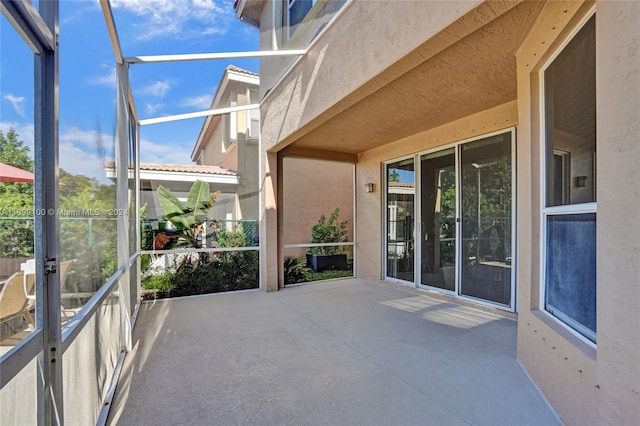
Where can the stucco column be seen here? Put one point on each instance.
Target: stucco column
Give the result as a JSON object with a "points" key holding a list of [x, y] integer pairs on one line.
{"points": [[269, 230], [618, 221]]}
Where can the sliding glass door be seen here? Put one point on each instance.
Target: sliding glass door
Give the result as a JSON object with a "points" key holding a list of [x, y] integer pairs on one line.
{"points": [[464, 219], [486, 212], [438, 219], [400, 185]]}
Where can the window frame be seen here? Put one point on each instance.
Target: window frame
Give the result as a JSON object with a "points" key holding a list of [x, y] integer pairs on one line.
{"points": [[289, 4], [253, 95], [385, 217], [574, 327]]}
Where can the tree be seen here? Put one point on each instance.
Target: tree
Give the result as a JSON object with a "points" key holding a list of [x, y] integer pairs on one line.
{"points": [[394, 176], [14, 195], [13, 151], [16, 229], [86, 233]]}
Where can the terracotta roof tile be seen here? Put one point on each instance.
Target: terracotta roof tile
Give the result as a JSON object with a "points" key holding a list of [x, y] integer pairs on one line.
{"points": [[401, 185], [241, 71], [182, 168]]}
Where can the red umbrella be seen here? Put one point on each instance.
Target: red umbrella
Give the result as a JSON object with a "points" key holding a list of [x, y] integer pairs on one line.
{"points": [[13, 174]]}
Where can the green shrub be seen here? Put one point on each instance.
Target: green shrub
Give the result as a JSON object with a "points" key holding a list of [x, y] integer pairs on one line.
{"points": [[329, 230], [312, 275], [158, 282], [232, 239], [226, 272], [293, 271]]}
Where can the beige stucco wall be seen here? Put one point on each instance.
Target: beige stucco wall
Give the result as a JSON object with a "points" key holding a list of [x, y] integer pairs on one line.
{"points": [[213, 152], [247, 166], [241, 156], [561, 364], [364, 41], [618, 71], [586, 384], [311, 188]]}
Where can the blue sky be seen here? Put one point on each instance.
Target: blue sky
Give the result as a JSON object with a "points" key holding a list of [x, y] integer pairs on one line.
{"points": [[87, 75]]}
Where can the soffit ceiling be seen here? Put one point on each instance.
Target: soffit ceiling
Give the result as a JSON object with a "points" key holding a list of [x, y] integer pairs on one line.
{"points": [[472, 75]]}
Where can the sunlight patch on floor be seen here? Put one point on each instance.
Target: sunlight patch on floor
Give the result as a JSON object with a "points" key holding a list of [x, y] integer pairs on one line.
{"points": [[459, 317], [442, 312], [412, 304]]}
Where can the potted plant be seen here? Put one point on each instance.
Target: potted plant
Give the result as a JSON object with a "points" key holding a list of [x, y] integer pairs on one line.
{"points": [[328, 230]]}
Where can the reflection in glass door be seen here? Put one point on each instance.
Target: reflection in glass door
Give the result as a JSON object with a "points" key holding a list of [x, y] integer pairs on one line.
{"points": [[400, 186], [438, 211], [486, 212]]}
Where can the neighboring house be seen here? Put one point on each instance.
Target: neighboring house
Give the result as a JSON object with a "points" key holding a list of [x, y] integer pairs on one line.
{"points": [[178, 179], [231, 141], [489, 110]]}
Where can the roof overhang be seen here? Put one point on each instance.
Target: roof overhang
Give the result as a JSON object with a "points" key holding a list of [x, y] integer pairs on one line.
{"points": [[465, 77], [156, 175], [231, 75], [249, 11], [174, 176]]}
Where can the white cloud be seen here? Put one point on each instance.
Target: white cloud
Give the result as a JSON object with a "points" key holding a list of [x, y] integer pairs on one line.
{"points": [[187, 19], [85, 152], [81, 151], [170, 153], [78, 12], [17, 102], [157, 89], [108, 79], [103, 142], [201, 102], [151, 109], [76, 161]]}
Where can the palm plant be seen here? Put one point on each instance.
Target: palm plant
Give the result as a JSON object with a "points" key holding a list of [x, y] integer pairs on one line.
{"points": [[188, 218]]}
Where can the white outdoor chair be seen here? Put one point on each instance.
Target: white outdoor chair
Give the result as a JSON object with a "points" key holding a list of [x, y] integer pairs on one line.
{"points": [[29, 270], [14, 301]]}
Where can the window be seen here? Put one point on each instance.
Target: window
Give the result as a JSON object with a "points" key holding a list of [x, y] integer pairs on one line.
{"points": [[307, 18], [296, 11], [569, 211], [224, 124], [229, 129], [254, 124], [253, 130]]}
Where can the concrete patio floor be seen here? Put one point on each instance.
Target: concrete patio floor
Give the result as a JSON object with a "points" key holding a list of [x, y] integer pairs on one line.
{"points": [[345, 352]]}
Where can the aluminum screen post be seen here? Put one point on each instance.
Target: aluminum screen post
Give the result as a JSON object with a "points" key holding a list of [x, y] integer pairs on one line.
{"points": [[50, 395], [122, 196]]}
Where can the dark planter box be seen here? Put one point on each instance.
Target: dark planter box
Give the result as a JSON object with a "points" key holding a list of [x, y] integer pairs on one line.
{"points": [[322, 262]]}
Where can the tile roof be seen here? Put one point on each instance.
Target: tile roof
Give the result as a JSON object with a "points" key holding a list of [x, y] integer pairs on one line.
{"points": [[401, 185], [242, 71], [182, 168]]}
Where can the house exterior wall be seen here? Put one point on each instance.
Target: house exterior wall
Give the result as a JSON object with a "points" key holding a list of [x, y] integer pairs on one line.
{"points": [[585, 383], [369, 232], [311, 188], [247, 166], [213, 152], [240, 156], [562, 365], [618, 70], [355, 43]]}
